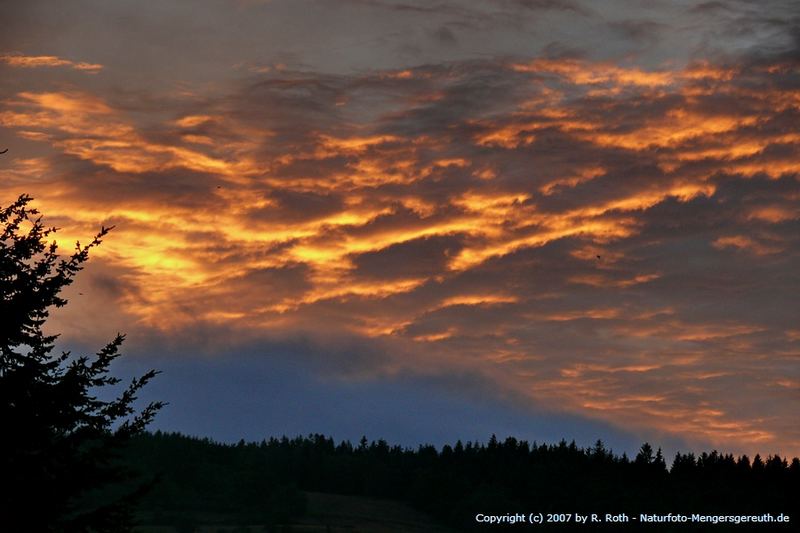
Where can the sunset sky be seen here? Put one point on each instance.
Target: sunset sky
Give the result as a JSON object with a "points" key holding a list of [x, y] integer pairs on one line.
{"points": [[427, 220]]}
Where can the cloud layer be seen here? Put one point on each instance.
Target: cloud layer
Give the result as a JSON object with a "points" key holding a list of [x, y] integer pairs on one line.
{"points": [[586, 232]]}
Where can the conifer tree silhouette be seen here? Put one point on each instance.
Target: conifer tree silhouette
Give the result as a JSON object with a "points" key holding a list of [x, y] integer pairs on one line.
{"points": [[645, 455], [58, 449]]}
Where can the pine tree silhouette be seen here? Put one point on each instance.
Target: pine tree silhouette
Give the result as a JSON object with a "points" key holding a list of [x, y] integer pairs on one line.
{"points": [[60, 441]]}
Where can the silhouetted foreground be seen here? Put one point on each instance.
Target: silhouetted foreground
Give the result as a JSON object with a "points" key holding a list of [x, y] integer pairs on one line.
{"points": [[59, 439], [201, 481]]}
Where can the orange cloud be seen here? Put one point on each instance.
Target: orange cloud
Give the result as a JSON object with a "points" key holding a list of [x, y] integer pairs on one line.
{"points": [[574, 240], [745, 243], [586, 73], [19, 60]]}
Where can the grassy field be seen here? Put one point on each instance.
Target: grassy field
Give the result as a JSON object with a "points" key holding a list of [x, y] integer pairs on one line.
{"points": [[330, 513]]}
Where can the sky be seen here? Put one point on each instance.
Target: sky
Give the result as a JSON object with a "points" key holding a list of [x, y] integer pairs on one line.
{"points": [[425, 221]]}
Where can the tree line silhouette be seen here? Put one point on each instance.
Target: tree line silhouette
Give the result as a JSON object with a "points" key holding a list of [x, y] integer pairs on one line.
{"points": [[263, 482]]}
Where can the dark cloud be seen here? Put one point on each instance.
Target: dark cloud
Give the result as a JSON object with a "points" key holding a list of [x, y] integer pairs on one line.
{"points": [[445, 36], [558, 5], [642, 31], [418, 258], [291, 207]]}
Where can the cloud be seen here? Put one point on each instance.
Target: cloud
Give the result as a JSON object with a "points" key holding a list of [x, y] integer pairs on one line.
{"points": [[559, 5], [413, 259], [642, 31], [588, 234], [445, 36], [19, 60]]}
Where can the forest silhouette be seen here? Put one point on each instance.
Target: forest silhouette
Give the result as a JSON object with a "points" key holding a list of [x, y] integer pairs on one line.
{"points": [[265, 482]]}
